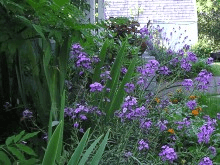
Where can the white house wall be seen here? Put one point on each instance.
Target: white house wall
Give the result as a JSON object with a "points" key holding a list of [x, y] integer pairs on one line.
{"points": [[166, 13]]}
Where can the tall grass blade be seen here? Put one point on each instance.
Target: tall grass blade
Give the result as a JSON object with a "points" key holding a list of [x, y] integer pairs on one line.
{"points": [[89, 151], [97, 157], [118, 98], [78, 152], [52, 147]]}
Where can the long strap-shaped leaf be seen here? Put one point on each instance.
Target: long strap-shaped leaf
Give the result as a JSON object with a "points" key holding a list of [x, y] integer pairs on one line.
{"points": [[77, 153], [89, 151], [97, 72], [115, 71], [118, 99], [97, 157], [52, 147]]}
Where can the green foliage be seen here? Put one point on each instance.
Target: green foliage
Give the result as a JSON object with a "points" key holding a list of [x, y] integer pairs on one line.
{"points": [[15, 150]]}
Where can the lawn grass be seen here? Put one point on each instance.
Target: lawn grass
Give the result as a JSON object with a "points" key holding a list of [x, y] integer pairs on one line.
{"points": [[213, 103], [216, 68]]}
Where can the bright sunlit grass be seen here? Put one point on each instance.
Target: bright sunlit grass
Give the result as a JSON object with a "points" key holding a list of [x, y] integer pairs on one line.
{"points": [[216, 68]]}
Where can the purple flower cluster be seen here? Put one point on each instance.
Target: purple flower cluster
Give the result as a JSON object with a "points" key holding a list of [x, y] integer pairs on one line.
{"points": [[124, 70], [186, 47], [174, 61], [145, 124], [164, 70], [96, 87], [212, 150], [130, 110], [187, 83], [105, 76], [143, 145], [80, 113], [203, 78], [185, 64], [181, 52], [192, 57], [162, 124], [128, 154], [144, 31], [218, 116], [27, 114], [206, 161], [149, 69], [185, 123], [206, 130], [129, 88], [164, 103], [76, 50], [168, 154], [191, 104], [209, 60]]}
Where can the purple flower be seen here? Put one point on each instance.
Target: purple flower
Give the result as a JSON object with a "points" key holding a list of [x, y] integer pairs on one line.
{"points": [[76, 125], [124, 70], [128, 154], [164, 70], [83, 117], [162, 125], [149, 69], [95, 59], [192, 57], [218, 116], [168, 153], [143, 145], [76, 50], [83, 61], [209, 60], [145, 124], [174, 61], [170, 52], [185, 64], [187, 83], [191, 104], [144, 31], [186, 47], [206, 161], [105, 76], [181, 52], [203, 78], [129, 88], [164, 103], [81, 130], [186, 122], [205, 132], [96, 87], [212, 150], [27, 114]]}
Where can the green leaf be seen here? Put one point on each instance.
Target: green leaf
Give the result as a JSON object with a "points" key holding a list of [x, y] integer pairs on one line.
{"points": [[39, 30], [52, 147], [16, 153], [4, 159], [9, 140], [18, 137], [31, 161], [118, 98], [77, 153], [97, 157], [102, 55], [61, 2], [26, 149], [28, 136], [89, 151]]}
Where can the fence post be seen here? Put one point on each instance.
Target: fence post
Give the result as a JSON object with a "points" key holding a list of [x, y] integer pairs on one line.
{"points": [[101, 10]]}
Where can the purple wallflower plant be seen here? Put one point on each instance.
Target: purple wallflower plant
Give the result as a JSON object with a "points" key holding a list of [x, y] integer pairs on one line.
{"points": [[83, 61], [212, 150], [129, 88], [218, 116], [76, 50], [27, 114], [145, 124], [192, 57], [181, 52], [96, 87], [187, 83], [203, 78], [205, 133], [164, 70], [162, 125], [185, 64], [124, 70], [186, 47], [144, 31], [105, 76], [174, 61], [209, 60], [206, 161], [191, 104], [168, 154], [143, 145]]}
